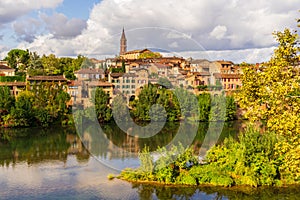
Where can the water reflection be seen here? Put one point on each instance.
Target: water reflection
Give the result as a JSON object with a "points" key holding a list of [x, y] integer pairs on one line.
{"points": [[33, 145], [107, 143], [148, 192], [54, 164]]}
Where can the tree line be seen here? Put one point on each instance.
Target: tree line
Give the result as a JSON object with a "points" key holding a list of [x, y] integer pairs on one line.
{"points": [[31, 63], [173, 105], [39, 105]]}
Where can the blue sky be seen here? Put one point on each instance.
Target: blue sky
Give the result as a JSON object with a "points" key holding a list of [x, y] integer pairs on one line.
{"points": [[237, 30], [77, 9]]}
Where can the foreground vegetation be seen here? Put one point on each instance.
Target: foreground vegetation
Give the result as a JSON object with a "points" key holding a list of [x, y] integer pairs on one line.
{"points": [[251, 161]]}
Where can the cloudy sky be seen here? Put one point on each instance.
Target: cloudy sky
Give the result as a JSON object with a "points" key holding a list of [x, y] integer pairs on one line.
{"points": [[237, 30]]}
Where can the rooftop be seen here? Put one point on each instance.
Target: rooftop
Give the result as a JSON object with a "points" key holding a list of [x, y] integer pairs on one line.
{"points": [[89, 71], [5, 67], [47, 78]]}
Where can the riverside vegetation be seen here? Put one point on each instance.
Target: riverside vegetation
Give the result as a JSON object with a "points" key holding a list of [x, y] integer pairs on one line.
{"points": [[270, 95]]}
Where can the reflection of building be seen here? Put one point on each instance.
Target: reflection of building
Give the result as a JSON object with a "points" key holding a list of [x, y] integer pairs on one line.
{"points": [[129, 148]]}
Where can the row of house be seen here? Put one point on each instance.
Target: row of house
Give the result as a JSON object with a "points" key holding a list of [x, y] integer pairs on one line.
{"points": [[187, 73]]}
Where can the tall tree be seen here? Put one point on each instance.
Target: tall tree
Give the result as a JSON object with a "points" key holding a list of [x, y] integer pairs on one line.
{"points": [[102, 108], [272, 94], [17, 59], [51, 64]]}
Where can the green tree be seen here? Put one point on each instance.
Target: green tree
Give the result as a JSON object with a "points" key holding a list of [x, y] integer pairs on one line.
{"points": [[22, 113], [204, 101], [18, 59], [163, 81], [146, 99], [6, 100], [51, 64], [35, 65], [103, 111]]}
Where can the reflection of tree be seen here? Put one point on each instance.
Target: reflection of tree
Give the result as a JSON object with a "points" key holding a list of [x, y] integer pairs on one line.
{"points": [[109, 141], [146, 191], [37, 145]]}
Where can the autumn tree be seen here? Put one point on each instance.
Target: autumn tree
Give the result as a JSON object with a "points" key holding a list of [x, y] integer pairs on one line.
{"points": [[271, 95]]}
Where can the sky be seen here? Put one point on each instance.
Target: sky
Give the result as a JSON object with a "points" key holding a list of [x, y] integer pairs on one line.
{"points": [[236, 30]]}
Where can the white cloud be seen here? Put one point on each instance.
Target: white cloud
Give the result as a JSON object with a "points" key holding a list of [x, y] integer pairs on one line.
{"points": [[11, 10], [218, 32], [217, 25]]}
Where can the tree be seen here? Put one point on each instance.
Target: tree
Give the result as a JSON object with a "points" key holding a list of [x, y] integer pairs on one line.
{"points": [[103, 111], [35, 65], [22, 113], [17, 58], [6, 100], [204, 102], [163, 81], [51, 64], [272, 95], [146, 99]]}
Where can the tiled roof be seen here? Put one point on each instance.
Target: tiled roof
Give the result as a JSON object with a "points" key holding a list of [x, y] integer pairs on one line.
{"points": [[100, 84], [129, 75], [225, 62], [159, 65], [12, 84], [230, 75], [5, 67], [116, 75], [90, 71], [202, 73], [137, 51], [217, 75], [46, 78], [91, 83]]}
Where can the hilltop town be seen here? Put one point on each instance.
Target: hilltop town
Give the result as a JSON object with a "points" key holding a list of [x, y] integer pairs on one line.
{"points": [[128, 72]]}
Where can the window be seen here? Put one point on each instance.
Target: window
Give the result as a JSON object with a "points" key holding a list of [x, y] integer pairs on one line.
{"points": [[133, 86], [132, 81]]}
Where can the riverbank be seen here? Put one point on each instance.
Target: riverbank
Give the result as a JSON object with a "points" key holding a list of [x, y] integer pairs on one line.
{"points": [[253, 159]]}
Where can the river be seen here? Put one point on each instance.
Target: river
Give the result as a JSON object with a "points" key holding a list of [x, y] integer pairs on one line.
{"points": [[55, 163]]}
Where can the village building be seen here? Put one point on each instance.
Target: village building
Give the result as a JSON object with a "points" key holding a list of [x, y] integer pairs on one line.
{"points": [[89, 74], [5, 70]]}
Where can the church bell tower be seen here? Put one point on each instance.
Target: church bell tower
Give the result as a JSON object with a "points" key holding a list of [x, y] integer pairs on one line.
{"points": [[123, 43]]}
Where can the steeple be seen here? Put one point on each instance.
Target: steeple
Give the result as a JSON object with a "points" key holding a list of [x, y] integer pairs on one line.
{"points": [[123, 43]]}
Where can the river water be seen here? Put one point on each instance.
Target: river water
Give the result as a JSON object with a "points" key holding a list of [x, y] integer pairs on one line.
{"points": [[55, 163]]}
